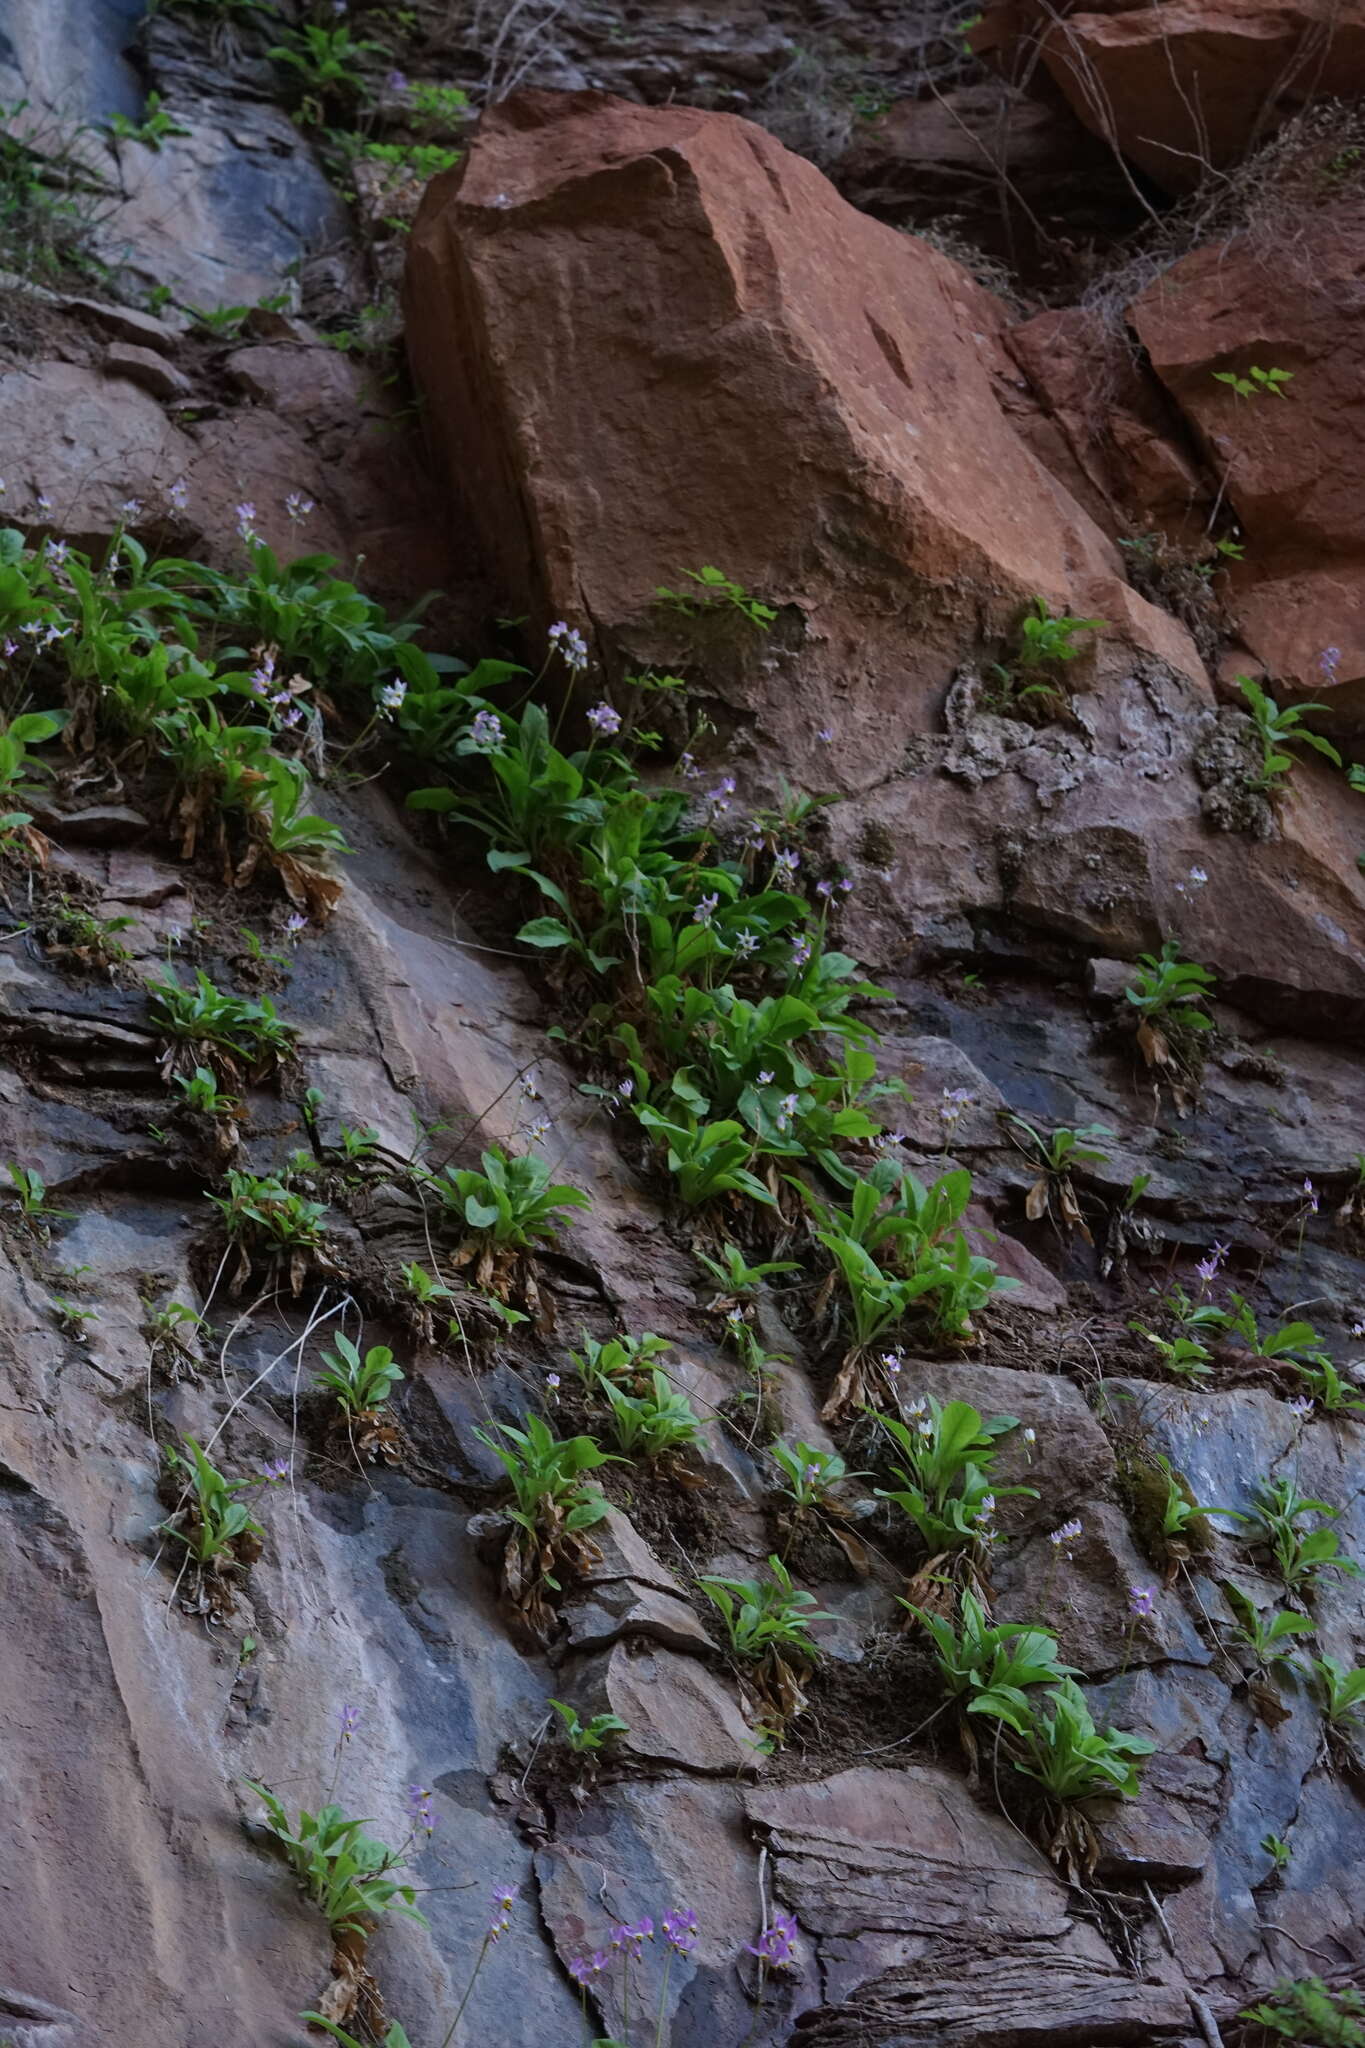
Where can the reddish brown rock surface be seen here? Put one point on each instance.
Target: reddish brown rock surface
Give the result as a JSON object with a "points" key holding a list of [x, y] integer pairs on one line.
{"points": [[654, 339], [1182, 89], [1291, 465]]}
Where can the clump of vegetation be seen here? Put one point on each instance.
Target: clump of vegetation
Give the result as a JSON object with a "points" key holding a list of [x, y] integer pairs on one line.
{"points": [[1045, 645], [1280, 727], [947, 1490], [214, 1525], [767, 1626], [238, 1037], [1309, 2013], [555, 1507], [265, 1215], [504, 1212]]}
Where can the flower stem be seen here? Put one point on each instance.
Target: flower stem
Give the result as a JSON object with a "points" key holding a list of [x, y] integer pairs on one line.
{"points": [[473, 1978]]}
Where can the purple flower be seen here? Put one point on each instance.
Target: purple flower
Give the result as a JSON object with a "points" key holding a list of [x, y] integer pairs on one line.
{"points": [[396, 81], [1312, 1194], [275, 1468], [601, 1960], [11, 648], [44, 503], [1301, 1406], [891, 1361], [419, 1808], [786, 1110], [485, 734], [680, 1929], [1141, 1601], [56, 552], [295, 923], [581, 1970], [776, 1946], [1209, 1265], [825, 735], [350, 1721], [246, 520], [552, 1382], [705, 910], [785, 865], [1063, 1538], [178, 495], [1329, 661], [570, 645], [604, 720], [131, 508], [825, 889], [801, 951], [504, 1898]]}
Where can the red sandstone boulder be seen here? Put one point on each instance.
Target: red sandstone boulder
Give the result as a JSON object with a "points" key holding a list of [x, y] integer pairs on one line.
{"points": [[651, 339], [1290, 466], [1184, 86]]}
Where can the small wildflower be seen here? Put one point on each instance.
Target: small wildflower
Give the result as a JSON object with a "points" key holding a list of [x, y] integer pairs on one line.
{"points": [[1063, 1538], [734, 1317], [504, 1898], [688, 765], [538, 1130], [705, 911], [131, 508], [1208, 1267], [350, 1721], [624, 1090], [680, 1929], [888, 1139], [776, 1946], [569, 644], [786, 1110], [825, 735], [295, 923], [485, 734], [1141, 1601], [785, 864], [56, 552], [11, 648], [55, 633], [1030, 1436], [765, 1076], [987, 1507], [924, 1427], [801, 951], [275, 1469], [43, 502], [1329, 661], [1301, 1406], [552, 1381], [825, 889], [810, 1473], [604, 720], [1312, 1196], [891, 1362], [1358, 1329], [1198, 877], [392, 695], [528, 1087], [601, 1960], [746, 942], [178, 496], [397, 81], [580, 1969], [419, 1808], [246, 520]]}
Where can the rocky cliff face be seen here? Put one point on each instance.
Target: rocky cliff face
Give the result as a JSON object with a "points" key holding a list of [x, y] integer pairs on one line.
{"points": [[765, 500]]}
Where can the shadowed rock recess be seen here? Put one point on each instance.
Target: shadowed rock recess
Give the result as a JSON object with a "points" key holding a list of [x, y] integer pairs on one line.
{"points": [[682, 799]]}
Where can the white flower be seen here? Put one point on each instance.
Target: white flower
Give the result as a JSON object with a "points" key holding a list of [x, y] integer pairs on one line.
{"points": [[392, 694]]}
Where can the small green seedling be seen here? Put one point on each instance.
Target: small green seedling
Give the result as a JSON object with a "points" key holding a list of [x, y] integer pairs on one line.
{"points": [[715, 589], [653, 1424], [809, 1475], [30, 1192], [361, 1384], [216, 1520], [766, 1615], [588, 1738], [1257, 383], [1278, 728]]}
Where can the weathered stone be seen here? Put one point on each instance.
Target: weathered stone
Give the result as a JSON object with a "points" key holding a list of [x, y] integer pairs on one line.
{"points": [[89, 444], [1185, 93], [1288, 462], [890, 1869], [621, 1608], [676, 1711], [145, 367], [827, 360]]}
